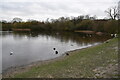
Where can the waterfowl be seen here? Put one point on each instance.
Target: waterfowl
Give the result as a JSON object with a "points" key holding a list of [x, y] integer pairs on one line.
{"points": [[67, 54], [53, 48], [11, 53], [56, 52]]}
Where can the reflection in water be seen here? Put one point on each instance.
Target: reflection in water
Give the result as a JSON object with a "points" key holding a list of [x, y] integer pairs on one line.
{"points": [[31, 47]]}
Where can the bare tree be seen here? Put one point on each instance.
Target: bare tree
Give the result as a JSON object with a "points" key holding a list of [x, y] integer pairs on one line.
{"points": [[112, 12], [17, 20], [119, 10]]}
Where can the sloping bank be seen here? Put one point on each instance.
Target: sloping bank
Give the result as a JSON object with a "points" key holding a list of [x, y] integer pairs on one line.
{"points": [[93, 62]]}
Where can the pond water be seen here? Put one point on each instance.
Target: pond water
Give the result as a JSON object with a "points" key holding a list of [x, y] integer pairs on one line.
{"points": [[24, 48]]}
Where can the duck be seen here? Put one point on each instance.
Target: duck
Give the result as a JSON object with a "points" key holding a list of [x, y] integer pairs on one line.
{"points": [[54, 48], [11, 53], [56, 52], [67, 54]]}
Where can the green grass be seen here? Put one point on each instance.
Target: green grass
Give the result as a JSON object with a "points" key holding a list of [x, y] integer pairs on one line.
{"points": [[79, 64]]}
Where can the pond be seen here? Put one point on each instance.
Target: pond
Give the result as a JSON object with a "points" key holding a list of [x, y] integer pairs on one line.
{"points": [[24, 48]]}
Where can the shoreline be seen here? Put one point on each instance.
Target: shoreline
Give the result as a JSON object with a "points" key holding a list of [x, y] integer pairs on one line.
{"points": [[24, 68], [18, 69]]}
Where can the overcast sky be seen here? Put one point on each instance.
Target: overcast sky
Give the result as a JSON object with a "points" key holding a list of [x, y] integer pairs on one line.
{"points": [[43, 9]]}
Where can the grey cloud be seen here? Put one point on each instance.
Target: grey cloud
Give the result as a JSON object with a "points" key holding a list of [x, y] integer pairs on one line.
{"points": [[44, 9]]}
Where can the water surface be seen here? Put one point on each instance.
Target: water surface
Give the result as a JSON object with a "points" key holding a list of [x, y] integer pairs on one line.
{"points": [[32, 47]]}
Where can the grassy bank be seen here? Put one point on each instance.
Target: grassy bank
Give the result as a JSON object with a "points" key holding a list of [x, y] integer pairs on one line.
{"points": [[93, 62]]}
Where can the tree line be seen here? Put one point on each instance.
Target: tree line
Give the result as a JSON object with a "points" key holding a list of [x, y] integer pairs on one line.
{"points": [[83, 22], [66, 24]]}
